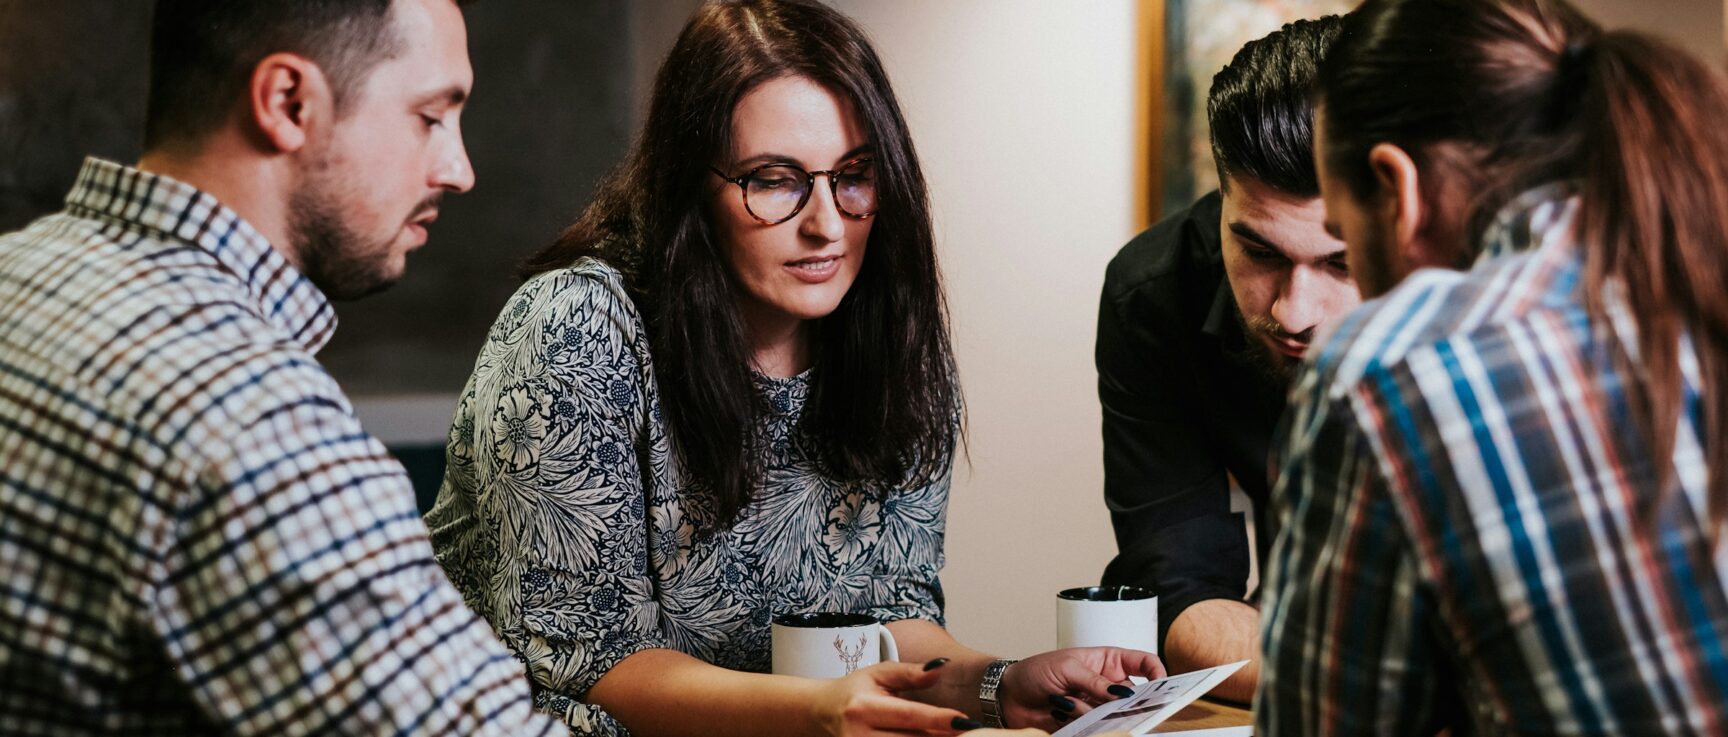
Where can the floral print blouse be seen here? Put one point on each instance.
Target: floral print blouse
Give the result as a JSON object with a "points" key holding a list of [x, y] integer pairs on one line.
{"points": [[565, 521]]}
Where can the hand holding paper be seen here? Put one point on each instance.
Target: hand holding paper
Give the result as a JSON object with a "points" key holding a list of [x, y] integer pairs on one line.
{"points": [[1085, 674], [1152, 703]]}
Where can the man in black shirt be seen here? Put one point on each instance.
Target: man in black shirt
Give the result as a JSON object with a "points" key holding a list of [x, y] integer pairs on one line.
{"points": [[1203, 319]]}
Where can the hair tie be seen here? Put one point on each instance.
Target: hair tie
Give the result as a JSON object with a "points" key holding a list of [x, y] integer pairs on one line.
{"points": [[1575, 56], [1571, 75]]}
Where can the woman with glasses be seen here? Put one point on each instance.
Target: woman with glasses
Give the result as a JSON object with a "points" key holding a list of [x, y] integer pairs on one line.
{"points": [[726, 394]]}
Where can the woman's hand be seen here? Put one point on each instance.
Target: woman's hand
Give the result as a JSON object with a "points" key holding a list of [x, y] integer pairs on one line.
{"points": [[1049, 689], [865, 703]]}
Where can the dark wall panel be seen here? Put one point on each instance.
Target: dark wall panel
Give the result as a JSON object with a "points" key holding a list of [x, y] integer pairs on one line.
{"points": [[550, 115]]}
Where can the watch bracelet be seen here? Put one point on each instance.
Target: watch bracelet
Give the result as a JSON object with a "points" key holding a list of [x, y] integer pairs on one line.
{"points": [[989, 691]]}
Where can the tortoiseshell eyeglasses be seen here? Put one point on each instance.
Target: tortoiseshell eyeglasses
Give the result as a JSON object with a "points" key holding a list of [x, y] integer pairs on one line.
{"points": [[775, 193]]}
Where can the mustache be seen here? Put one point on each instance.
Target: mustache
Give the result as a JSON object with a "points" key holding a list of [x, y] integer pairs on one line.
{"points": [[1262, 325], [429, 204]]}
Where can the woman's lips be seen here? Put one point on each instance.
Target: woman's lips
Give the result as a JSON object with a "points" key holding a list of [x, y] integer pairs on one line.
{"points": [[815, 270]]}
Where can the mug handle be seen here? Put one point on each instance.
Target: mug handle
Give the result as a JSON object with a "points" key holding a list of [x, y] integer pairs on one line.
{"points": [[890, 648]]}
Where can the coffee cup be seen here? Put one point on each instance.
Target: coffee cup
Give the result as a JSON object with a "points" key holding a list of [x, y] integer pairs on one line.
{"points": [[1114, 616], [829, 644]]}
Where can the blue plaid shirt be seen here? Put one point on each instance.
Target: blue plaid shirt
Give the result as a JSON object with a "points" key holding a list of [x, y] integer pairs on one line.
{"points": [[197, 536], [1460, 478]]}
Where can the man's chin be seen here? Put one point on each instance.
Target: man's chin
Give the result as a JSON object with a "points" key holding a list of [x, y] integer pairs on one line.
{"points": [[1286, 367], [1271, 363], [351, 294], [353, 285]]}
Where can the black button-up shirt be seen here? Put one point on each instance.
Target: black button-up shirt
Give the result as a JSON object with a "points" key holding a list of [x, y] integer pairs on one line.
{"points": [[1184, 409]]}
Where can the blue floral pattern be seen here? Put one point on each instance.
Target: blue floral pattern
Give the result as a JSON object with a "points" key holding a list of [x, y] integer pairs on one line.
{"points": [[565, 520]]}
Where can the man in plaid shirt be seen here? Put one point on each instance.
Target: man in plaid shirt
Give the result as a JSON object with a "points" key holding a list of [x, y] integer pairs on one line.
{"points": [[197, 535], [1504, 491]]}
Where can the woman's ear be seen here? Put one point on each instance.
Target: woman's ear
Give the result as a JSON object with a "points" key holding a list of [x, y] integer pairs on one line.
{"points": [[288, 97]]}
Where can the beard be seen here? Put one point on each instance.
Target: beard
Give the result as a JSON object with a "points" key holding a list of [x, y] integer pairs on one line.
{"points": [[343, 263], [335, 257], [1270, 364]]}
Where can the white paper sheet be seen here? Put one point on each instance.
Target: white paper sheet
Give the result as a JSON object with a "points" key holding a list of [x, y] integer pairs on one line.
{"points": [[1152, 703]]}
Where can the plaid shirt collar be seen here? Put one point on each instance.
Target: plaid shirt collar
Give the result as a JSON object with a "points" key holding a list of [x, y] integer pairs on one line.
{"points": [[1539, 217], [174, 209]]}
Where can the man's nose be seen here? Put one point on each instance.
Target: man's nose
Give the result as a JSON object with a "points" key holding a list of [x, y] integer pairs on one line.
{"points": [[453, 171], [1300, 303]]}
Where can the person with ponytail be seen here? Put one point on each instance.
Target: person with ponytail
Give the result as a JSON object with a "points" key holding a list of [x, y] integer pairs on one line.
{"points": [[727, 394], [1503, 483]]}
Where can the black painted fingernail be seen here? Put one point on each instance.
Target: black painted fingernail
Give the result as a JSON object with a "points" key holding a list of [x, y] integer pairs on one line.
{"points": [[1061, 702], [1060, 715], [934, 664], [963, 724], [1120, 691]]}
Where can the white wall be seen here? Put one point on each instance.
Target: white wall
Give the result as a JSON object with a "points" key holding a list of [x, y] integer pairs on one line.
{"points": [[1022, 113]]}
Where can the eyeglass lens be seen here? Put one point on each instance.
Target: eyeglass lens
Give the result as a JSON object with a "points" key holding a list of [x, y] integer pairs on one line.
{"points": [[779, 191]]}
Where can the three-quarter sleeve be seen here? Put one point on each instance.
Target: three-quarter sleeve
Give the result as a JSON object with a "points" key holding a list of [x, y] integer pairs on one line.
{"points": [[1165, 485], [560, 426], [908, 560]]}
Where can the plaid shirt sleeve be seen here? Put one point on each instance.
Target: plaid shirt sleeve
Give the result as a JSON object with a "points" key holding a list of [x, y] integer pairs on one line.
{"points": [[198, 536], [1345, 641], [301, 595]]}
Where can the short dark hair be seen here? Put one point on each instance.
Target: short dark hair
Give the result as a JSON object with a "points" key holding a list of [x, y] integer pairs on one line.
{"points": [[1261, 107], [202, 54], [884, 394]]}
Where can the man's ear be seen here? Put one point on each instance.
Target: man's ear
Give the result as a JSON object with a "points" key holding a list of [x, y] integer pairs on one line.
{"points": [[1400, 199], [287, 100]]}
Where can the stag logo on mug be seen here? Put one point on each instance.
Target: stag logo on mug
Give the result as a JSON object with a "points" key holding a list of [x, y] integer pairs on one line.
{"points": [[852, 656]]}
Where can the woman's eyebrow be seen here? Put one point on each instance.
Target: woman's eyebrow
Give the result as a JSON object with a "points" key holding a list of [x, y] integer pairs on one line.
{"points": [[777, 158]]}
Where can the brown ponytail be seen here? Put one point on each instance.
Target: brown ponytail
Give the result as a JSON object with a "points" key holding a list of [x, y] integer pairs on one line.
{"points": [[1655, 211], [1535, 92]]}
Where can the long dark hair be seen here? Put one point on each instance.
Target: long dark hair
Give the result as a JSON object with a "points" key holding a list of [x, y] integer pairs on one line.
{"points": [[884, 392], [1530, 91]]}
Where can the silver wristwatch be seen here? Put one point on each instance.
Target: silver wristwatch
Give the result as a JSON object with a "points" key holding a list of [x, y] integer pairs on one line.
{"points": [[987, 691]]}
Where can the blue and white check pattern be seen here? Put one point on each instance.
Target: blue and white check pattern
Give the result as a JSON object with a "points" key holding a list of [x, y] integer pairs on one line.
{"points": [[197, 537]]}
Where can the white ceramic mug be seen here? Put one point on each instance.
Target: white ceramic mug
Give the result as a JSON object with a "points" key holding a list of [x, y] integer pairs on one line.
{"points": [[829, 644], [1115, 616]]}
